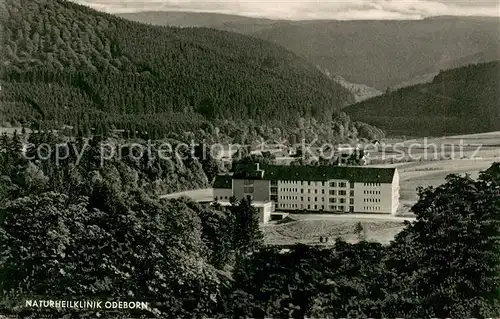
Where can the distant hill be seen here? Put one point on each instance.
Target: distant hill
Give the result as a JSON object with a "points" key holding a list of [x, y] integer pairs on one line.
{"points": [[226, 22], [361, 92], [66, 63], [463, 100], [421, 79], [379, 54]]}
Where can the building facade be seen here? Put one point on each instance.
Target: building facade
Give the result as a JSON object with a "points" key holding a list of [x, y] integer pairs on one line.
{"points": [[315, 188], [264, 209]]}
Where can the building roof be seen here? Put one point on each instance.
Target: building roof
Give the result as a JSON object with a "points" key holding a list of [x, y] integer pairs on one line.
{"points": [[248, 171], [357, 174], [223, 181]]}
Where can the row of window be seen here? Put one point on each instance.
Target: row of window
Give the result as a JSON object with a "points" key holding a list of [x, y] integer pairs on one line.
{"points": [[372, 200], [309, 183], [371, 184], [338, 208], [301, 206], [372, 208], [316, 207], [222, 197], [340, 192], [367, 192], [301, 198], [341, 200]]}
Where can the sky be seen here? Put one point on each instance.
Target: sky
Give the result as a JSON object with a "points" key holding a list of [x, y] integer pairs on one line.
{"points": [[309, 9]]}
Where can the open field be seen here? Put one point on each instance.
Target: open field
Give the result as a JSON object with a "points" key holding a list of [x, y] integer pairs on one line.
{"points": [[465, 154], [305, 230]]}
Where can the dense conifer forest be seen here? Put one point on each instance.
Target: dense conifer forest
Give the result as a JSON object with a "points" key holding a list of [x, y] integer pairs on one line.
{"points": [[66, 64], [458, 101]]}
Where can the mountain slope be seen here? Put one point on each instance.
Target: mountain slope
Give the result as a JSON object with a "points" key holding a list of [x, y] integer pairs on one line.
{"points": [[67, 63], [226, 22], [375, 53], [458, 101], [361, 92]]}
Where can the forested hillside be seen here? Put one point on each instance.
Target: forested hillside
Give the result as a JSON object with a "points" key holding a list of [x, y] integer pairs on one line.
{"points": [[375, 53], [458, 101], [386, 53], [68, 64]]}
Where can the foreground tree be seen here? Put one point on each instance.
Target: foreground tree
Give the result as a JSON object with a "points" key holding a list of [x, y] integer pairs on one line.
{"points": [[113, 244], [448, 261], [247, 234]]}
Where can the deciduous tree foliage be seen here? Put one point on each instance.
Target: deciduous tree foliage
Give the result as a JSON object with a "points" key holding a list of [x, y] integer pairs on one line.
{"points": [[106, 235], [450, 258]]}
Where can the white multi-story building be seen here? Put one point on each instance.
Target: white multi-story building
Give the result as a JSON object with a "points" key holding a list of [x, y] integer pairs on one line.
{"points": [[351, 189]]}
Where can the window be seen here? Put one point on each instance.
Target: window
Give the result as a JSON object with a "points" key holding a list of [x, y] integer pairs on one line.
{"points": [[248, 189], [333, 184], [342, 200], [315, 191], [351, 209], [332, 192], [351, 193], [351, 201], [315, 206], [342, 193], [333, 200], [301, 198], [247, 182], [302, 191], [309, 183], [352, 184], [322, 183], [322, 191], [315, 199], [341, 208], [342, 184], [308, 199]]}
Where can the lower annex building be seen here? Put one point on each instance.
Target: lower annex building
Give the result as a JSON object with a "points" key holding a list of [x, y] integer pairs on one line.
{"points": [[348, 189]]}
